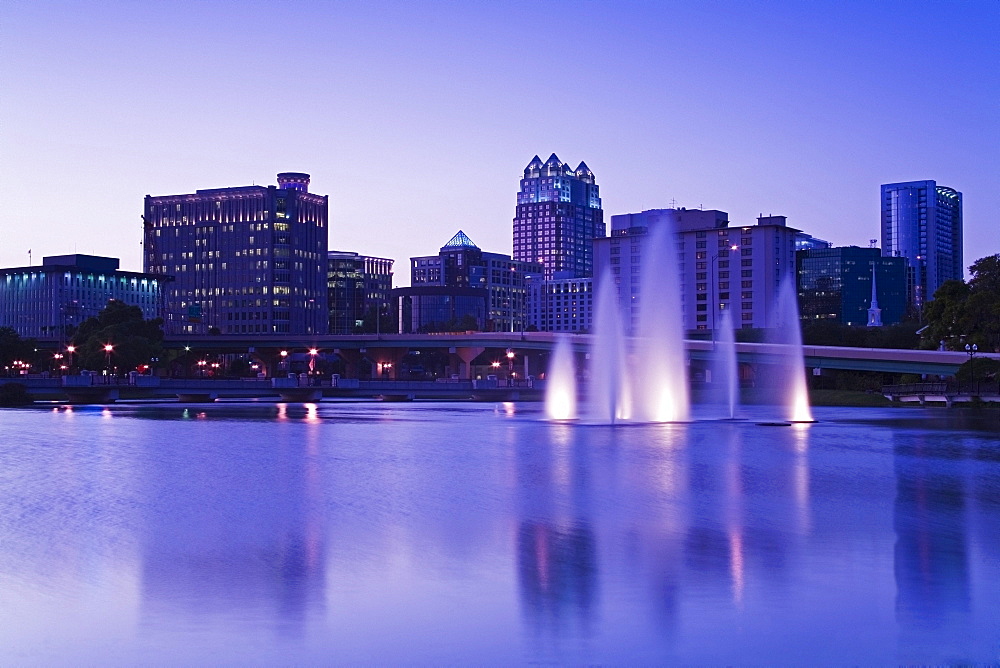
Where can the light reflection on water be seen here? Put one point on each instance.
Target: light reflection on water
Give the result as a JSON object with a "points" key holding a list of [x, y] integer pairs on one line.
{"points": [[480, 533]]}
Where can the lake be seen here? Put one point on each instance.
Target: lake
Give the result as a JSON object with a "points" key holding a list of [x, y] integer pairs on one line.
{"points": [[473, 533]]}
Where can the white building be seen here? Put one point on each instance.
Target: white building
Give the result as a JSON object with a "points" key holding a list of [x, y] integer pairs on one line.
{"points": [[46, 302], [719, 267]]}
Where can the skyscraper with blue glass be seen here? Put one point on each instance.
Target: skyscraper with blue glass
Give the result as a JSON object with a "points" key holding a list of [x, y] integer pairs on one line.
{"points": [[557, 218], [922, 222]]}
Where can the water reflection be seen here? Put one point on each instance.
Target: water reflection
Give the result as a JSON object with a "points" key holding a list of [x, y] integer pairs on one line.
{"points": [[236, 533], [557, 569], [931, 552], [556, 545]]}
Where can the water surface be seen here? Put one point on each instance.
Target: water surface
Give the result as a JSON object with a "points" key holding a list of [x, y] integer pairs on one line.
{"points": [[479, 533]]}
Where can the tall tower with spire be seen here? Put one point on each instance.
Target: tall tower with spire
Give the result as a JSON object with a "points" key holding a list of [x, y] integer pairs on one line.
{"points": [[874, 312], [558, 216]]}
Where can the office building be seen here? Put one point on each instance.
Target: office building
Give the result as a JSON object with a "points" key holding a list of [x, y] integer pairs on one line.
{"points": [[246, 260], [50, 301], [560, 305], [358, 287], [460, 264], [836, 284], [718, 267], [557, 218], [922, 222], [440, 308]]}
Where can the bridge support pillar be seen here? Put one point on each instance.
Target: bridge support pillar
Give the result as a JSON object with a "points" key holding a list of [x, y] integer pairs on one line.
{"points": [[460, 360], [352, 360]]}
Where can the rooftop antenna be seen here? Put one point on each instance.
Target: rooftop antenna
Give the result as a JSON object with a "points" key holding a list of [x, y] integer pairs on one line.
{"points": [[673, 203]]}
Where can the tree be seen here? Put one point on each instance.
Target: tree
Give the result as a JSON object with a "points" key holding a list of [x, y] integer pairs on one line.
{"points": [[963, 313], [983, 304], [377, 320], [13, 347], [135, 339]]}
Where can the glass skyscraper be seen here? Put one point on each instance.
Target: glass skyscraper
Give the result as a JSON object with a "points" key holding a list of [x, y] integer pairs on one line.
{"points": [[557, 218], [922, 222], [836, 284]]}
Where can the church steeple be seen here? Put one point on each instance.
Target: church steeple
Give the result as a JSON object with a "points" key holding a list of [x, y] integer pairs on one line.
{"points": [[874, 312]]}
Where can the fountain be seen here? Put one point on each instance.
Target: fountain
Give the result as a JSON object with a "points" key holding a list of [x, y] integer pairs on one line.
{"points": [[793, 393], [651, 383], [659, 373], [609, 400], [560, 383], [724, 369]]}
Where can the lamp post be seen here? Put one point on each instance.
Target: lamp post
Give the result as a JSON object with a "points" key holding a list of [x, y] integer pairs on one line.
{"points": [[510, 366], [70, 350], [108, 348], [312, 360], [972, 350], [201, 368]]}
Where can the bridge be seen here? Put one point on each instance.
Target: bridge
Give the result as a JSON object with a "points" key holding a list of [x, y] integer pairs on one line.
{"points": [[390, 348]]}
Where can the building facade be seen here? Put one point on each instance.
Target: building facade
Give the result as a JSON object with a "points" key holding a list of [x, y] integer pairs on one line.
{"points": [[357, 286], [560, 305], [462, 264], [50, 301], [922, 222], [245, 260], [440, 308], [717, 267], [557, 218], [836, 284]]}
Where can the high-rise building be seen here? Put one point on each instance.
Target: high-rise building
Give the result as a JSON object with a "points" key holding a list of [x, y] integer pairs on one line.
{"points": [[357, 286], [561, 305], [922, 222], [246, 260], [557, 218], [836, 284], [461, 264], [49, 301], [719, 267]]}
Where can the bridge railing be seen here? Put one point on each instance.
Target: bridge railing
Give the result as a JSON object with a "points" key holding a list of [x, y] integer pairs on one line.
{"points": [[915, 388], [943, 388]]}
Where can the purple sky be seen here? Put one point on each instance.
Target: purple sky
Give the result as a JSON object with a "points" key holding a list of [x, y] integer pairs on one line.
{"points": [[418, 118]]}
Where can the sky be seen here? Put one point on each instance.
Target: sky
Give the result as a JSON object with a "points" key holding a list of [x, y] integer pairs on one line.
{"points": [[418, 118]]}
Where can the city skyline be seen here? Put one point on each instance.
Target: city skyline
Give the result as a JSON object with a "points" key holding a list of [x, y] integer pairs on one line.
{"points": [[418, 121]]}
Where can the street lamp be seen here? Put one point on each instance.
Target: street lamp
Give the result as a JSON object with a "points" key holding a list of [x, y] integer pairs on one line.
{"points": [[71, 350], [107, 354], [510, 364], [972, 350]]}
